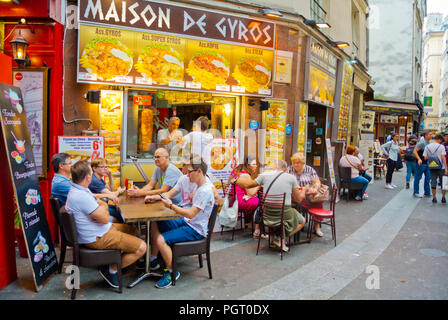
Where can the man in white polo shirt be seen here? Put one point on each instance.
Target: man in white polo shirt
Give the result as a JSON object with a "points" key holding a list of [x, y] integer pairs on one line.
{"points": [[93, 227]]}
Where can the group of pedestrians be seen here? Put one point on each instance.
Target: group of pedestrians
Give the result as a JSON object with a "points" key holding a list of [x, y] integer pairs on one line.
{"points": [[426, 157]]}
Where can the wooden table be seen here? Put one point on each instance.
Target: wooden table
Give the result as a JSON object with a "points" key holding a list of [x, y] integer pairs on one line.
{"points": [[135, 210]]}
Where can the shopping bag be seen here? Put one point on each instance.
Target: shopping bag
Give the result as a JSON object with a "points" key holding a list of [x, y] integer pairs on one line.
{"points": [[445, 183], [228, 216]]}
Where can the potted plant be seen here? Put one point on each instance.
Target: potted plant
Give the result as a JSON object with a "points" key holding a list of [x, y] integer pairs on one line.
{"points": [[20, 238]]}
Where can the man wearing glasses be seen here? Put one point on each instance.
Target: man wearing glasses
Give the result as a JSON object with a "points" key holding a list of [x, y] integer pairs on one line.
{"points": [[103, 191], [165, 175], [60, 185], [192, 226]]}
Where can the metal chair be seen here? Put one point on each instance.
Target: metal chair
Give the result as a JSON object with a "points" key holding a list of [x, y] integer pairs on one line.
{"points": [[196, 247], [325, 215], [56, 207], [84, 257], [345, 176], [276, 202]]}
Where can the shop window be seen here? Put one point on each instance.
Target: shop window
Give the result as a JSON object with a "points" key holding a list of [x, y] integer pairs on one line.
{"points": [[149, 112]]}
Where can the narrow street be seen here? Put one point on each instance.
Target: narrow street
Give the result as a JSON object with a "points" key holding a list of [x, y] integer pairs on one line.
{"points": [[403, 236]]}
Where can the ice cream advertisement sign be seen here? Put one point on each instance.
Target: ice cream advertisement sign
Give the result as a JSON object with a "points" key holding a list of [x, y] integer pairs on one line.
{"points": [[22, 166]]}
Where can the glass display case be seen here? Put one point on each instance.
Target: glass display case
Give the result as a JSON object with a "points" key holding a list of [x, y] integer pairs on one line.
{"points": [[149, 111]]}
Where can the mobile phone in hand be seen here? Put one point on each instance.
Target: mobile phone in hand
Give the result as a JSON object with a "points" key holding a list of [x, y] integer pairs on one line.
{"points": [[162, 196]]}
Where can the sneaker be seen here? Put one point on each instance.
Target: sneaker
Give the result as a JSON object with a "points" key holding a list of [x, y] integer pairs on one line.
{"points": [[393, 186], [434, 200], [111, 278], [358, 198], [389, 186], [166, 281], [154, 265], [407, 185], [443, 200], [416, 195], [365, 196]]}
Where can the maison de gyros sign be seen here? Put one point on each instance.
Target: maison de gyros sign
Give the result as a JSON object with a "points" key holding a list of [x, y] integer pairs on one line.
{"points": [[152, 16]]}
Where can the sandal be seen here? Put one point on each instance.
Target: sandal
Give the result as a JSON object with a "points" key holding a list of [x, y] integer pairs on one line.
{"points": [[319, 233], [263, 236]]}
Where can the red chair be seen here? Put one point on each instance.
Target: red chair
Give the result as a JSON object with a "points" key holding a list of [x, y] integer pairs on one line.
{"points": [[325, 215], [275, 202]]}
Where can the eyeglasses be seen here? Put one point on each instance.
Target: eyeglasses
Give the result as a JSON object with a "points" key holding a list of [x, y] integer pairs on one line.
{"points": [[158, 157], [191, 171], [103, 167]]}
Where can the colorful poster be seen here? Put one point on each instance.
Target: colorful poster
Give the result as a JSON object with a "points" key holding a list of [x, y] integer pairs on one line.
{"points": [[143, 59], [331, 165], [22, 166], [82, 147], [302, 128], [110, 129], [321, 87], [368, 121], [275, 130], [344, 105], [34, 89], [366, 148], [224, 159]]}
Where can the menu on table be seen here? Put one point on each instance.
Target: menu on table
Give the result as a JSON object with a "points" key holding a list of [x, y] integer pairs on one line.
{"points": [[152, 60], [110, 129], [275, 130], [21, 161]]}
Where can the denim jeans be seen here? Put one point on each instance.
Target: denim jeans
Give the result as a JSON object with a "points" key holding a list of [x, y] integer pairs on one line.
{"points": [[363, 181], [365, 175], [423, 169], [411, 168]]}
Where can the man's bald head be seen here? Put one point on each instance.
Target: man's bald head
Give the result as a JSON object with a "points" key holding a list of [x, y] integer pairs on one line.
{"points": [[162, 152], [280, 165]]}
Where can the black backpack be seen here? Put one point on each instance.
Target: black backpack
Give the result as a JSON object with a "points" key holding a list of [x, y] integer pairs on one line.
{"points": [[409, 154]]}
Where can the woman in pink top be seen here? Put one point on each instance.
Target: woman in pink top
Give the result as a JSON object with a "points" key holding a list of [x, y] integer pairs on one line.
{"points": [[350, 161], [247, 198]]}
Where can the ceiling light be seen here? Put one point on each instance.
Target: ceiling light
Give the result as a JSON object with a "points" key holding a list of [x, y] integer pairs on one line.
{"points": [[317, 24], [339, 44], [270, 12]]}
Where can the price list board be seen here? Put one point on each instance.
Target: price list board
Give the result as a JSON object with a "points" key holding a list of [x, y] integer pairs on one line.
{"points": [[42, 256], [344, 106]]}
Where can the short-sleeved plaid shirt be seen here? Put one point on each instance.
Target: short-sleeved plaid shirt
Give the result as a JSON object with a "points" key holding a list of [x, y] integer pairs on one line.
{"points": [[306, 177]]}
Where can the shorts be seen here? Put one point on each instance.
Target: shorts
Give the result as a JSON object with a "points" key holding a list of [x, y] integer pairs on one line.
{"points": [[174, 231], [436, 174], [117, 238]]}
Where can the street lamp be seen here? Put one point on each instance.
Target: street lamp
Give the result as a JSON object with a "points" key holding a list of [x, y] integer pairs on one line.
{"points": [[339, 44], [19, 46], [270, 12], [317, 24]]}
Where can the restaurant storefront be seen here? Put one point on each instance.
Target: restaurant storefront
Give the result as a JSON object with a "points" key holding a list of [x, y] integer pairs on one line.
{"points": [[322, 93], [154, 66], [381, 118]]}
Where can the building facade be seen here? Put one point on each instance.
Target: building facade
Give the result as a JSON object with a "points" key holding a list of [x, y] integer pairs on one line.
{"points": [[431, 77], [443, 101], [395, 63]]}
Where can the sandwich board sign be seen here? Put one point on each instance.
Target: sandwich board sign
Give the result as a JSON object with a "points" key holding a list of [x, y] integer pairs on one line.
{"points": [[22, 165]]}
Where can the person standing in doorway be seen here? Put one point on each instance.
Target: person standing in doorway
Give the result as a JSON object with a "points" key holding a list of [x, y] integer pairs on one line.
{"points": [[392, 152], [422, 167]]}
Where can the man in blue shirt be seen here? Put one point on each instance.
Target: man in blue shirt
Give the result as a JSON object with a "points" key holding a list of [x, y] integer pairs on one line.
{"points": [[60, 185], [165, 175]]}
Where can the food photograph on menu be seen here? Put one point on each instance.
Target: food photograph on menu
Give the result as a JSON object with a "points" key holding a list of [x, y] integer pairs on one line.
{"points": [[209, 68], [107, 58], [160, 63], [253, 73]]}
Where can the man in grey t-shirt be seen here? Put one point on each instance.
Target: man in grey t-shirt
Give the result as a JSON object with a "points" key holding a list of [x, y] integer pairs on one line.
{"points": [[165, 175], [422, 167], [285, 183]]}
